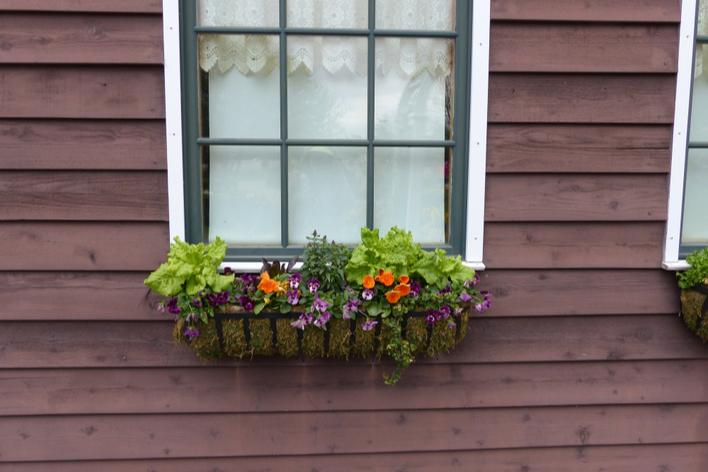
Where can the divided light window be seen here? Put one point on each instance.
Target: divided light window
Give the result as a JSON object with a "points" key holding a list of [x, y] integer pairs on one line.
{"points": [[325, 115], [694, 233]]}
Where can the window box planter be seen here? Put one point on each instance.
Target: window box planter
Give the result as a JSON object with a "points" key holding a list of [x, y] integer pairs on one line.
{"points": [[694, 309]]}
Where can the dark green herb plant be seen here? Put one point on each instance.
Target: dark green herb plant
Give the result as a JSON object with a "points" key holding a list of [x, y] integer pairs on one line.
{"points": [[698, 273], [325, 262]]}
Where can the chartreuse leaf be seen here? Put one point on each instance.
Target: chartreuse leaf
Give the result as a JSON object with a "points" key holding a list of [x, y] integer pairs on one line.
{"points": [[164, 281]]}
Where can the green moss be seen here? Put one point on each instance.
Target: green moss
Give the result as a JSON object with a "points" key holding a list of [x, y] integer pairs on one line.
{"points": [[417, 334], [339, 338], [464, 323], [287, 338], [384, 339], [206, 345], [442, 339], [234, 338], [261, 337], [313, 342], [691, 306], [363, 341]]}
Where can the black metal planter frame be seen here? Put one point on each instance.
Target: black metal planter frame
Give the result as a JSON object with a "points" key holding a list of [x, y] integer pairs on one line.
{"points": [[274, 316]]}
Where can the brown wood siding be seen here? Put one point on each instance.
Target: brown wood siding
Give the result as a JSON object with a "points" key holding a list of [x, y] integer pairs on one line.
{"points": [[581, 363]]}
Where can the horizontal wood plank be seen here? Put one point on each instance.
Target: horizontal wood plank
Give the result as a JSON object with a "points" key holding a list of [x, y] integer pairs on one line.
{"points": [[36, 38], [581, 98], [60, 246], [642, 11], [358, 387], [553, 47], [82, 92], [88, 437], [581, 292], [576, 245], [578, 148], [83, 144], [674, 457], [40, 344], [122, 6], [569, 197], [77, 296], [84, 195]]}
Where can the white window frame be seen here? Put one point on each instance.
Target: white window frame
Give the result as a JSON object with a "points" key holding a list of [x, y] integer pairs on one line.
{"points": [[477, 159], [677, 176]]}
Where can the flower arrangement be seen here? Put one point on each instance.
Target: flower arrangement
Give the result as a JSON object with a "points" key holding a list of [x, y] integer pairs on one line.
{"points": [[694, 293], [387, 296]]}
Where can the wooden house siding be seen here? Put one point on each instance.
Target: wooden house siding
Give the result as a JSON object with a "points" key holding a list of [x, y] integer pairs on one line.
{"points": [[581, 364]]}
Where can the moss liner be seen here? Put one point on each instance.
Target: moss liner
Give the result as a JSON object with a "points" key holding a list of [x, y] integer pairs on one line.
{"points": [[337, 340], [692, 302]]}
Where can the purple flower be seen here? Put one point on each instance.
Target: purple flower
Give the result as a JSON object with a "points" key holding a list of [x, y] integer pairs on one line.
{"points": [[293, 297], [222, 298], [322, 320], [295, 280], [486, 303], [303, 321], [431, 316], [451, 325], [367, 294], [191, 317], [445, 310], [351, 305], [346, 316], [313, 285], [319, 305], [161, 308], [351, 291], [246, 303], [465, 297], [458, 311], [368, 325], [447, 289], [228, 271], [191, 333], [472, 283], [172, 307], [415, 290], [197, 302]]}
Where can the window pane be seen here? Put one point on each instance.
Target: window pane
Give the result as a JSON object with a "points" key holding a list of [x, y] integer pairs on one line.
{"points": [[327, 87], [242, 194], [414, 89], [695, 216], [328, 13], [412, 191], [327, 193], [436, 15], [239, 77], [238, 13]]}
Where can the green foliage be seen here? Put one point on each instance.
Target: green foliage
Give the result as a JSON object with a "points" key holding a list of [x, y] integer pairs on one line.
{"points": [[698, 273], [190, 268], [396, 252], [437, 268], [325, 261]]}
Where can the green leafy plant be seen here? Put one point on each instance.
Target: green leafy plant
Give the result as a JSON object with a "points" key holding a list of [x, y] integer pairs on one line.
{"points": [[325, 262], [191, 268], [698, 273]]}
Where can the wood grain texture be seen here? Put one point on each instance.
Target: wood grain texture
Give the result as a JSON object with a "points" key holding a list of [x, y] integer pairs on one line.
{"points": [[36, 38], [77, 296], [358, 387], [68, 246], [553, 47], [578, 148], [581, 98], [88, 437], [108, 6], [82, 92], [572, 197], [576, 245], [84, 195], [83, 144], [67, 344], [681, 457], [642, 11], [580, 292]]}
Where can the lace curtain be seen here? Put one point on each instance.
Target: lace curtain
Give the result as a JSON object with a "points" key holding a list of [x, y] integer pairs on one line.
{"points": [[251, 54]]}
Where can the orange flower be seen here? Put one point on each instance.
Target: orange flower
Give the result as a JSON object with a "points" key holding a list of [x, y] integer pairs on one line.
{"points": [[267, 284], [282, 287], [393, 296], [403, 279], [368, 281], [403, 289], [385, 277]]}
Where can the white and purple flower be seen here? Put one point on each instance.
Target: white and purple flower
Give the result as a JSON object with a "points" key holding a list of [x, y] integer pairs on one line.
{"points": [[293, 296], [368, 325], [319, 305], [294, 281], [465, 297], [367, 294], [313, 285], [322, 320]]}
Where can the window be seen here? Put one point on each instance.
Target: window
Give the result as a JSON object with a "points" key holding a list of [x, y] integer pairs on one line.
{"points": [[687, 226], [328, 115]]}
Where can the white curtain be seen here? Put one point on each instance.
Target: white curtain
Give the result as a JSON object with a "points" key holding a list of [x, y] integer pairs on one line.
{"points": [[327, 98]]}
